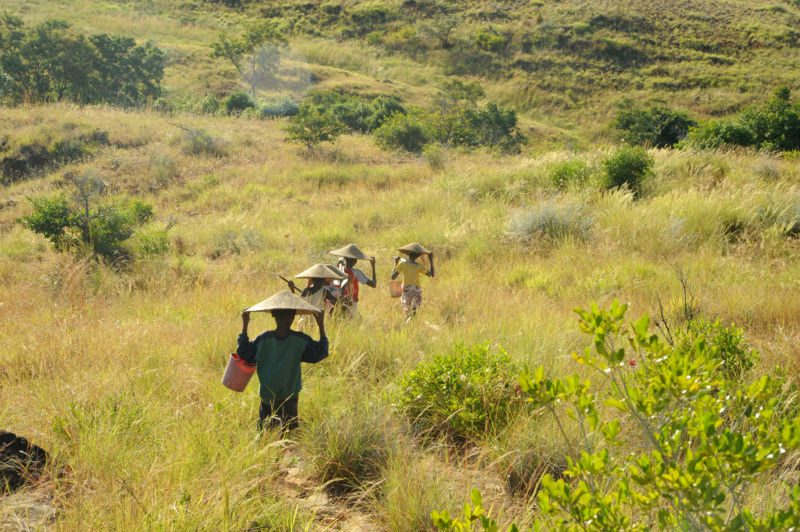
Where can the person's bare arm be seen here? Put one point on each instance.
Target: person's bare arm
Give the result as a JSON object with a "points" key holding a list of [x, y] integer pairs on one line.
{"points": [[372, 282], [395, 273], [245, 322], [320, 317], [430, 273]]}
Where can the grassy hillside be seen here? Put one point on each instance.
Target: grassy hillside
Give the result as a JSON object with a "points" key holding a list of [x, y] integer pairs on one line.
{"points": [[562, 64], [115, 370]]}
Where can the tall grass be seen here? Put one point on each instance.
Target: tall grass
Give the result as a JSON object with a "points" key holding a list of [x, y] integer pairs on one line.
{"points": [[116, 372]]}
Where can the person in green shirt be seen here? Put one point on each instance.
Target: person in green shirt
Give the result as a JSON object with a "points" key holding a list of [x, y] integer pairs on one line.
{"points": [[278, 354]]}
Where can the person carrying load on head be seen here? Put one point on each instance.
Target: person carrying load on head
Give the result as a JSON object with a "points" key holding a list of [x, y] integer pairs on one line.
{"points": [[319, 291], [411, 297], [278, 354], [348, 256]]}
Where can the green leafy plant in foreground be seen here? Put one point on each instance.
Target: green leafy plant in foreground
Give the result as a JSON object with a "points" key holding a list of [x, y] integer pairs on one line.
{"points": [[707, 441], [464, 395]]}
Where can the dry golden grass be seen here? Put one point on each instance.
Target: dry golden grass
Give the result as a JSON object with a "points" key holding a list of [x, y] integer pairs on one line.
{"points": [[116, 371]]}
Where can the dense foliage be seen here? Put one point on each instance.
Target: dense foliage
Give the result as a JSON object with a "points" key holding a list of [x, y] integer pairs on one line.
{"points": [[464, 395], [709, 440], [775, 125], [656, 126], [628, 167], [85, 226], [51, 62]]}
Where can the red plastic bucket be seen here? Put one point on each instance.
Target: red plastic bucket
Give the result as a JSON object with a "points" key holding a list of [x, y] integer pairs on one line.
{"points": [[238, 373]]}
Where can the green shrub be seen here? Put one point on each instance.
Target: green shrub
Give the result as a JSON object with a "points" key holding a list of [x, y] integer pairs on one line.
{"points": [[383, 107], [280, 108], [466, 395], [209, 105], [402, 132], [628, 167], [773, 126], [313, 125], [657, 126], [552, 220], [162, 106], [83, 225], [725, 344], [717, 133], [706, 444], [490, 41], [238, 101], [569, 173], [493, 127]]}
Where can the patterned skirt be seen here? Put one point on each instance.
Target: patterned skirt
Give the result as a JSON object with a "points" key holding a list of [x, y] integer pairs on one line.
{"points": [[411, 298]]}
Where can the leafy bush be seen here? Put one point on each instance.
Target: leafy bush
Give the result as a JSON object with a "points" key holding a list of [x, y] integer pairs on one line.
{"points": [[238, 101], [725, 344], [209, 105], [465, 395], [84, 226], [628, 167], [494, 127], [716, 133], [402, 132], [569, 173], [706, 441], [313, 125], [554, 221], [489, 41], [657, 126], [773, 126], [280, 108]]}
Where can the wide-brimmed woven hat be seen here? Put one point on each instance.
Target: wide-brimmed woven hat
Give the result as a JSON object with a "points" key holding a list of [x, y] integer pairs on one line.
{"points": [[414, 248], [284, 300], [350, 251], [321, 271], [335, 269]]}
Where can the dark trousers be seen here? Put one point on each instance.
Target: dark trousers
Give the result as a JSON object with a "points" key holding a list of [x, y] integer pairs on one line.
{"points": [[278, 414]]}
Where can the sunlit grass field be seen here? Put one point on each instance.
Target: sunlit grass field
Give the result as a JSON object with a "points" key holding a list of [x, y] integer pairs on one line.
{"points": [[115, 371]]}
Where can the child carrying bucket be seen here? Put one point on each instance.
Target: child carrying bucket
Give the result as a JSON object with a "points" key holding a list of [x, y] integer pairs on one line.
{"points": [[411, 297], [277, 355]]}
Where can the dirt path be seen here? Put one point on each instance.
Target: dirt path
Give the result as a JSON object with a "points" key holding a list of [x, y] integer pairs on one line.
{"points": [[330, 512]]}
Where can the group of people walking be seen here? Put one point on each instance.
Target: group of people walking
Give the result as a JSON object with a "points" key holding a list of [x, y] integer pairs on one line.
{"points": [[277, 354], [331, 287]]}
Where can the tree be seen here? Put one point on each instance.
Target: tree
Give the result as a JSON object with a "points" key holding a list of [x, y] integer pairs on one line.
{"points": [[254, 54], [440, 28], [51, 62]]}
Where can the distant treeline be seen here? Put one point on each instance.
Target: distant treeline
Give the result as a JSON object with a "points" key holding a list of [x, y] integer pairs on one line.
{"points": [[50, 62]]}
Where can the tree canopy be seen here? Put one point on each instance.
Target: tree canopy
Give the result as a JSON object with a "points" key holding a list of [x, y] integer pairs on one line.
{"points": [[51, 62]]}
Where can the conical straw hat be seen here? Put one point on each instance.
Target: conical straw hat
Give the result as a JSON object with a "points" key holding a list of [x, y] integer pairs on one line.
{"points": [[414, 248], [284, 300], [335, 269], [320, 271], [350, 251]]}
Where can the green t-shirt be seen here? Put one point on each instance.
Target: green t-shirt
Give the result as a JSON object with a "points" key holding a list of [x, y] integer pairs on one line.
{"points": [[278, 361]]}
